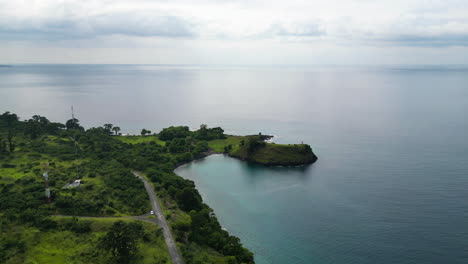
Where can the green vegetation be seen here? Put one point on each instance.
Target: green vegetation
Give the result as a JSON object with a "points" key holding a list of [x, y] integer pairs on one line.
{"points": [[31, 231], [75, 240], [219, 145], [141, 139], [255, 149], [121, 242], [102, 160], [145, 132]]}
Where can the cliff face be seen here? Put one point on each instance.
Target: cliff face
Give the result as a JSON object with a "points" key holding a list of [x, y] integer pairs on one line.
{"points": [[276, 154]]}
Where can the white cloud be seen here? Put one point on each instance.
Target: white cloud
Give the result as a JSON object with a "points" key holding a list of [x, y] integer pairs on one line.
{"points": [[295, 25]]}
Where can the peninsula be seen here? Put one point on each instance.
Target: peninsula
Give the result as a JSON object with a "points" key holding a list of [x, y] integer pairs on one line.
{"points": [[251, 148], [41, 212]]}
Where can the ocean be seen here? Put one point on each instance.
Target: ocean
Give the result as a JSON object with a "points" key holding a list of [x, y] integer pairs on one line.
{"points": [[391, 182]]}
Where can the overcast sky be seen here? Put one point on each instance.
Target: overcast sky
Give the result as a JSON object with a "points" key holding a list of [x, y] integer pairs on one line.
{"points": [[234, 31]]}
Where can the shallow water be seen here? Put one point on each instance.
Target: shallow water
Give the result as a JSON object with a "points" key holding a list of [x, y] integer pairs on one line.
{"points": [[390, 183]]}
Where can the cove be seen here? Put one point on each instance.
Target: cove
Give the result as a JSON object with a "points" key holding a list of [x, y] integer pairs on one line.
{"points": [[256, 203]]}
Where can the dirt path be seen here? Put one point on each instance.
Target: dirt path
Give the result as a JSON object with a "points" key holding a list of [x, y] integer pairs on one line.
{"points": [[161, 221]]}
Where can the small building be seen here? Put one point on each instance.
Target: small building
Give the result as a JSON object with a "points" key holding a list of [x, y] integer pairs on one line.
{"points": [[74, 184]]}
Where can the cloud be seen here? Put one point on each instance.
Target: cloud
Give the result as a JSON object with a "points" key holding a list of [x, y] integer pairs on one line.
{"points": [[144, 25], [122, 23], [295, 30], [411, 22]]}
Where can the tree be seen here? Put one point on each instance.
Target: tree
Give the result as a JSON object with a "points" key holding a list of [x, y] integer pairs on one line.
{"points": [[206, 133], [11, 121], [122, 241], [40, 119], [73, 124], [33, 129], [3, 147], [189, 199], [145, 132], [11, 143], [116, 130], [174, 132], [253, 143], [108, 128], [203, 131]]}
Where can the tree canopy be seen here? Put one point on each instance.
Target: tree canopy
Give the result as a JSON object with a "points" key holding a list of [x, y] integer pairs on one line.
{"points": [[121, 242]]}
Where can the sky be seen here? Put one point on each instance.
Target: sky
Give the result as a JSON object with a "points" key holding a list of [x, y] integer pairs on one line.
{"points": [[273, 32]]}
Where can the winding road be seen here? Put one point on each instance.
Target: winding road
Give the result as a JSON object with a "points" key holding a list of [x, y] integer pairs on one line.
{"points": [[161, 221]]}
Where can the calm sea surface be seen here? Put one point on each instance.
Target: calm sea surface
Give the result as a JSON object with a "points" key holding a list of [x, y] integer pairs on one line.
{"points": [[391, 182]]}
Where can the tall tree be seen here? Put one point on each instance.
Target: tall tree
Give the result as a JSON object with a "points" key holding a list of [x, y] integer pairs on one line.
{"points": [[3, 147], [122, 241], [33, 128], [116, 130], [11, 143], [73, 124], [11, 121], [145, 132], [108, 128]]}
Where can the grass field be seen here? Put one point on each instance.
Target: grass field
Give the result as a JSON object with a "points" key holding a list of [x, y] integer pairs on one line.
{"points": [[57, 247], [219, 144], [140, 139]]}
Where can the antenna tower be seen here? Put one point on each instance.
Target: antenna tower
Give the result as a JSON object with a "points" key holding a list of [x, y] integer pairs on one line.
{"points": [[74, 141]]}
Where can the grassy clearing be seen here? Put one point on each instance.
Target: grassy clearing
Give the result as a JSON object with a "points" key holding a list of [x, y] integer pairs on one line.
{"points": [[24, 161], [57, 247], [219, 144], [140, 139]]}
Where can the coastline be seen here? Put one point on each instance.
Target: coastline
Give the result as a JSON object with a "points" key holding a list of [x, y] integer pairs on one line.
{"points": [[213, 152], [286, 164], [201, 156]]}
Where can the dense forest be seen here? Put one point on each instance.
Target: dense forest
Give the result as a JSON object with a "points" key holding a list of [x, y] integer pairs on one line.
{"points": [[103, 161]]}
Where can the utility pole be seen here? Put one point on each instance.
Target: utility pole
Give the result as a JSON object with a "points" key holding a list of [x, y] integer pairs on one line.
{"points": [[46, 178]]}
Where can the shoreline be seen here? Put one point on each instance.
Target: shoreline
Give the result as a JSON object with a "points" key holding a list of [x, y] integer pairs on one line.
{"points": [[275, 164], [201, 156], [213, 152]]}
